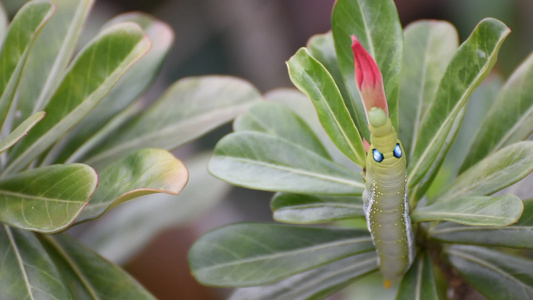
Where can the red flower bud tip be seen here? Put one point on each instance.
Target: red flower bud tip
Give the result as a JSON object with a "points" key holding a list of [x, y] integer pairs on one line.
{"points": [[368, 78]]}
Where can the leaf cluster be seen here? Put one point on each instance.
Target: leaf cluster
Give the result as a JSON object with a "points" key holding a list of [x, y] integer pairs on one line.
{"points": [[314, 161]]}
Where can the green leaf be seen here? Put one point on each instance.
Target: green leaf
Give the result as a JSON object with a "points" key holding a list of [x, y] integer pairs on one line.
{"points": [[428, 48], [123, 232], [190, 108], [134, 82], [473, 211], [4, 20], [28, 272], [308, 209], [419, 282], [493, 173], [249, 254], [314, 284], [510, 119], [20, 131], [51, 53], [314, 80], [322, 47], [261, 161], [496, 275], [377, 27], [46, 199], [103, 61], [88, 275], [24, 28], [467, 69], [143, 172], [475, 110], [302, 106], [277, 120], [519, 235]]}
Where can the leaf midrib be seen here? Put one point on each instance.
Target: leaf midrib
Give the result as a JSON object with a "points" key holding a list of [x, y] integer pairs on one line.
{"points": [[490, 266], [282, 254]]}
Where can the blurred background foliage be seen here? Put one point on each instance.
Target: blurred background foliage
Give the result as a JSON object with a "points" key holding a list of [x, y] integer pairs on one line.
{"points": [[252, 39]]}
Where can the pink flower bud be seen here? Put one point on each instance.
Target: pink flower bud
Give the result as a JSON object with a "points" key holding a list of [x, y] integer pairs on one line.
{"points": [[368, 78]]}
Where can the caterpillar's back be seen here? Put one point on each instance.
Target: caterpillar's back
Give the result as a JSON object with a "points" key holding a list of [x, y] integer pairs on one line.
{"points": [[385, 197]]}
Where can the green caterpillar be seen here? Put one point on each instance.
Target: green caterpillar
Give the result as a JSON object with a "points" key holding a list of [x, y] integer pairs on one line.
{"points": [[385, 196]]}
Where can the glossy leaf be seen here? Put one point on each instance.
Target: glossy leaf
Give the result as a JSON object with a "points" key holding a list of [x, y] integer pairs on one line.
{"points": [[308, 209], [473, 211], [322, 48], [519, 235], [51, 53], [20, 131], [419, 282], [269, 252], [134, 82], [499, 170], [46, 199], [314, 284], [261, 161], [121, 45], [122, 232], [467, 69], [143, 172], [23, 30], [83, 271], [428, 48], [277, 120], [190, 108], [510, 119], [377, 27], [314, 80], [301, 105], [28, 272], [494, 274]]}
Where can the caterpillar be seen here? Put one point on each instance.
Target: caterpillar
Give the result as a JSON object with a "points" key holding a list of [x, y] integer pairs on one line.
{"points": [[385, 197]]}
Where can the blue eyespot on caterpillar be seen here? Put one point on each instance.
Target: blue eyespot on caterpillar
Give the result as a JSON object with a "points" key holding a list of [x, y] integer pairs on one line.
{"points": [[385, 197], [378, 157], [397, 151]]}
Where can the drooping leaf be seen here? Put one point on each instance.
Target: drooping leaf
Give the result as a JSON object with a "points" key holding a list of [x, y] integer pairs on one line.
{"points": [[103, 61], [467, 69], [27, 271], [315, 81], [190, 108], [143, 172], [20, 131], [46, 199], [473, 211], [88, 275], [134, 82], [377, 27], [123, 232], [261, 161], [519, 235], [510, 119], [269, 252], [494, 172], [277, 120], [51, 53], [23, 30], [428, 48], [419, 282], [314, 284], [309, 209], [322, 47], [496, 275]]}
